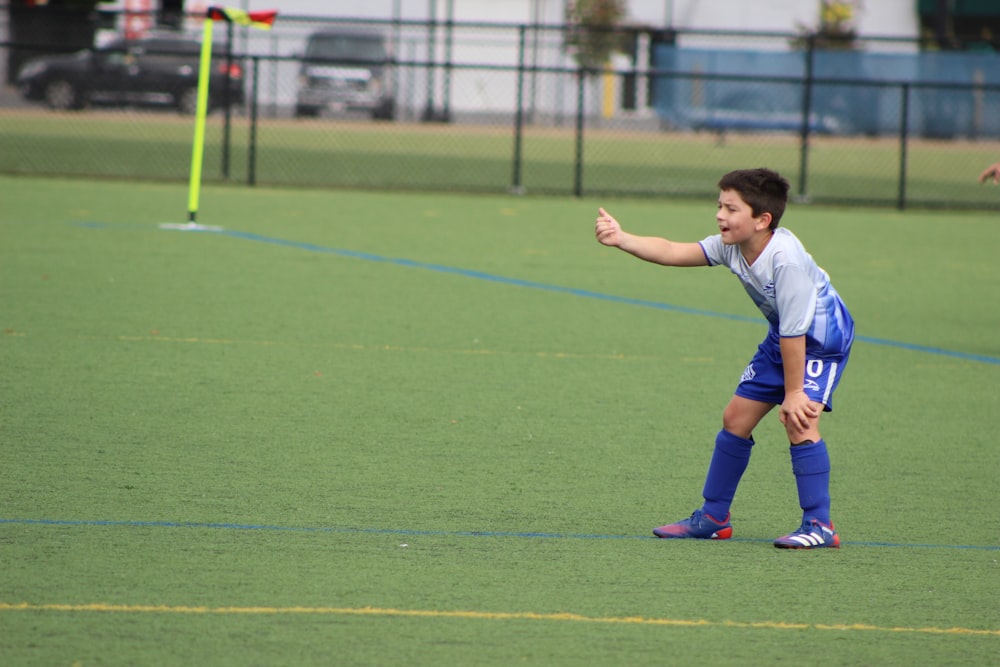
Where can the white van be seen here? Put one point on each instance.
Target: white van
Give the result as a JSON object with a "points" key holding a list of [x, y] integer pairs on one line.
{"points": [[346, 70]]}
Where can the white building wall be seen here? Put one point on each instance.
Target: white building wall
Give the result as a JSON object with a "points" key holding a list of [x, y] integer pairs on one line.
{"points": [[482, 91], [875, 17]]}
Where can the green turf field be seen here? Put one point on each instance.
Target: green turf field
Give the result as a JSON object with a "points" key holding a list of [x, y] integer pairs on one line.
{"points": [[379, 428]]}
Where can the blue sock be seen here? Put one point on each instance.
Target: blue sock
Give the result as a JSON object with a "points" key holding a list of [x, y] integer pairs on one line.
{"points": [[729, 460], [811, 465]]}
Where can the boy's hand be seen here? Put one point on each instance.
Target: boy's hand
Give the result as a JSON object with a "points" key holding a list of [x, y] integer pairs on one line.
{"points": [[607, 229], [797, 412], [991, 172]]}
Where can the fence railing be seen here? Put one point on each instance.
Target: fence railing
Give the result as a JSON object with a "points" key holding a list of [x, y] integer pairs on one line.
{"points": [[508, 111]]}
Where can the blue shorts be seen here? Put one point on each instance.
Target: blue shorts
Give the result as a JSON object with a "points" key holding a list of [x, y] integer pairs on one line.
{"points": [[764, 377]]}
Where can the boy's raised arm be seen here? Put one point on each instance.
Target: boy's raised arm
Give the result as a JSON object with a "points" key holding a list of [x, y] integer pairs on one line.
{"points": [[649, 248]]}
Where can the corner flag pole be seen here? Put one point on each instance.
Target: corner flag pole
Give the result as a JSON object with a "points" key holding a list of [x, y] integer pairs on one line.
{"points": [[198, 151], [198, 146], [256, 19]]}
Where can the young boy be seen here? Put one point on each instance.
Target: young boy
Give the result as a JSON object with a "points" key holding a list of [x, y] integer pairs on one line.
{"points": [[796, 367]]}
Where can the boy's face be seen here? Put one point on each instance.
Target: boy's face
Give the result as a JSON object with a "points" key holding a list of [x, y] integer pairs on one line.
{"points": [[735, 219]]}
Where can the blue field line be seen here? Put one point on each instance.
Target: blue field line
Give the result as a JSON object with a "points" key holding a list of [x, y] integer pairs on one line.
{"points": [[479, 275], [966, 356], [426, 533]]}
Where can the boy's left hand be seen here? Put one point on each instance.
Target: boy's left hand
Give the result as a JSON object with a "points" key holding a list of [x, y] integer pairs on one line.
{"points": [[797, 412]]}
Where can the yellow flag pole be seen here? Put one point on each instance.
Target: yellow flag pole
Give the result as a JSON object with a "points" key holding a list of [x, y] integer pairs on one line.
{"points": [[198, 147], [262, 19], [198, 151]]}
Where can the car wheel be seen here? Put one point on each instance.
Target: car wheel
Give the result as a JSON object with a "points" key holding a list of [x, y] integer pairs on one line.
{"points": [[386, 110], [187, 101], [62, 95]]}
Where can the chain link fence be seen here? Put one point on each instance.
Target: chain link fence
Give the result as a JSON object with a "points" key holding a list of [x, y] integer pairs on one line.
{"points": [[481, 107]]}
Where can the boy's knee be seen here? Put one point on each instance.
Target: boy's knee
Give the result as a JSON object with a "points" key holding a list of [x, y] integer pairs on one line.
{"points": [[738, 421]]}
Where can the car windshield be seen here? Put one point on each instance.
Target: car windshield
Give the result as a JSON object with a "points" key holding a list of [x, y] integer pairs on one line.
{"points": [[356, 48]]}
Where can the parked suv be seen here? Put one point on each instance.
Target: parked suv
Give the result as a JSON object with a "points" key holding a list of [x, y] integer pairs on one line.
{"points": [[346, 70], [155, 70]]}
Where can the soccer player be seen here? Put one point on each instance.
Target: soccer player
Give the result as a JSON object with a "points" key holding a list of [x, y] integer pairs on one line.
{"points": [[992, 171], [796, 367]]}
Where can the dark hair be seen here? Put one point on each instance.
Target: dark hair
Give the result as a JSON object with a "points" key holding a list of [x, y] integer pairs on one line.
{"points": [[762, 189]]}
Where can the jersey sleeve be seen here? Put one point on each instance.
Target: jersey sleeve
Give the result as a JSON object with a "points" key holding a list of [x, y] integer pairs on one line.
{"points": [[714, 249], [795, 295]]}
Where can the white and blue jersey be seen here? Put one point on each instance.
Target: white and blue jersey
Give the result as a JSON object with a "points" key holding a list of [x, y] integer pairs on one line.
{"points": [[795, 296]]}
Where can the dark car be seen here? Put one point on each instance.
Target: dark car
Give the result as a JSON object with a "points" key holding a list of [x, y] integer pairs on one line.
{"points": [[346, 70], [155, 70]]}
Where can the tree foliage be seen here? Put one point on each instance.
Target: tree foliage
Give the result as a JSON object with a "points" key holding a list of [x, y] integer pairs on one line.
{"points": [[836, 28], [592, 31]]}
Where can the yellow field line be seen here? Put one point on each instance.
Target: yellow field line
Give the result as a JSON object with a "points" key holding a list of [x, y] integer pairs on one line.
{"points": [[377, 347], [486, 615]]}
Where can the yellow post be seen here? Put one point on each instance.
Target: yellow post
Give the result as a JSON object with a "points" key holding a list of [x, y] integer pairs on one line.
{"points": [[608, 107], [261, 19], [198, 150]]}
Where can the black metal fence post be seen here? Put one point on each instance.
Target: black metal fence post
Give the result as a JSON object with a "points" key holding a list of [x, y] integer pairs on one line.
{"points": [[904, 130], [429, 113], [515, 181], [449, 40], [578, 159], [252, 148], [807, 91], [227, 100]]}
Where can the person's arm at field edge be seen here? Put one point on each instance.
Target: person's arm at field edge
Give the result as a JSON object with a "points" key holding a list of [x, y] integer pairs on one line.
{"points": [[992, 171]]}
